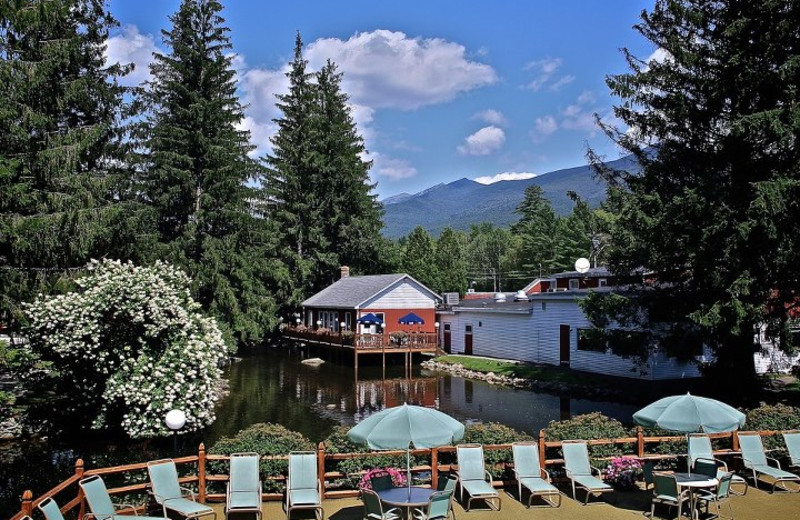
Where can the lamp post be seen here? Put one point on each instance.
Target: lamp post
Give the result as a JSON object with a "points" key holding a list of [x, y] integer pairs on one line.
{"points": [[436, 326], [582, 265], [175, 420], [319, 324]]}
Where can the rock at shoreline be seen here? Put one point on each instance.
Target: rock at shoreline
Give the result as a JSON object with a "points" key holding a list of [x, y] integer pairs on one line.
{"points": [[314, 361]]}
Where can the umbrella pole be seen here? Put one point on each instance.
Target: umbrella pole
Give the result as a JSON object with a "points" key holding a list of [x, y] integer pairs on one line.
{"points": [[408, 468]]}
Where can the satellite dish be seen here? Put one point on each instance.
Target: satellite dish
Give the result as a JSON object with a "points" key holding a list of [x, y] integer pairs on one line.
{"points": [[582, 265]]}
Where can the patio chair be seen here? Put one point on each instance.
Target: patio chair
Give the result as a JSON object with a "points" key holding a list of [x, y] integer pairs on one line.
{"points": [[792, 440], [169, 494], [580, 472], [473, 477], [244, 487], [50, 509], [666, 492], [303, 488], [700, 448], [373, 508], [447, 482], [718, 496], [756, 461], [99, 501], [381, 481], [440, 504], [531, 475]]}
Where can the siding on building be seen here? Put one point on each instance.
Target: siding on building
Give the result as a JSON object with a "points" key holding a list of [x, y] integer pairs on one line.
{"points": [[402, 296]]}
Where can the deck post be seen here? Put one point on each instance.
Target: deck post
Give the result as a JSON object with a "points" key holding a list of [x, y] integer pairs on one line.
{"points": [[434, 468], [79, 473], [542, 459], [321, 467], [201, 473], [27, 502], [735, 443], [639, 442]]}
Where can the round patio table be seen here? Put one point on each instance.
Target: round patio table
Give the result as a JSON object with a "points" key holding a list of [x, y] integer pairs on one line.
{"points": [[400, 497], [694, 481]]}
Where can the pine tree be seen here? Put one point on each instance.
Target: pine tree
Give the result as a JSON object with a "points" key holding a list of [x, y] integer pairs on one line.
{"points": [[535, 234], [451, 262], [196, 172], [714, 212], [419, 257], [318, 185], [61, 146]]}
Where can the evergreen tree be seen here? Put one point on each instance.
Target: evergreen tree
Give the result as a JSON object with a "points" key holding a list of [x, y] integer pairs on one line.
{"points": [[318, 185], [451, 262], [419, 257], [487, 252], [714, 212], [61, 146], [196, 169], [535, 234]]}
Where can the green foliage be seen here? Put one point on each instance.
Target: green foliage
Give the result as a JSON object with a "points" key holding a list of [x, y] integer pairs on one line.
{"points": [[773, 417], [590, 426], [494, 433], [419, 257], [266, 439], [450, 259], [124, 349]]}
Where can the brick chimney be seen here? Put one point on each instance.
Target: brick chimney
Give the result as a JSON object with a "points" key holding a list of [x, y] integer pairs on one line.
{"points": [[344, 271]]}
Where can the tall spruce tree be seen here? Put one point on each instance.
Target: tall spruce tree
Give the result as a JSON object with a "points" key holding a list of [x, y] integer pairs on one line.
{"points": [[419, 257], [451, 261], [317, 183], [196, 172], [714, 213], [61, 146]]}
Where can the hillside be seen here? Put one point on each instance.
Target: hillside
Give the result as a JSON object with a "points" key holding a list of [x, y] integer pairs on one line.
{"points": [[464, 202]]}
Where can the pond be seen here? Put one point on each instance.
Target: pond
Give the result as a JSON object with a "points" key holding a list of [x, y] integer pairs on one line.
{"points": [[271, 384]]}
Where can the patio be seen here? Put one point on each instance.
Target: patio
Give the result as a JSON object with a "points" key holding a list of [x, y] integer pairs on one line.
{"points": [[756, 505]]}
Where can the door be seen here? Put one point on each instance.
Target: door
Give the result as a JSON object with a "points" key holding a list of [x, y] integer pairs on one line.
{"points": [[564, 344], [447, 337], [468, 340]]}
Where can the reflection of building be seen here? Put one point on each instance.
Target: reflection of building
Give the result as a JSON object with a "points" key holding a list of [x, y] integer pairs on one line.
{"points": [[376, 394]]}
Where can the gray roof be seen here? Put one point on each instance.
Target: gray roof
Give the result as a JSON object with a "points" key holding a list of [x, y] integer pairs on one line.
{"points": [[594, 272], [352, 291]]}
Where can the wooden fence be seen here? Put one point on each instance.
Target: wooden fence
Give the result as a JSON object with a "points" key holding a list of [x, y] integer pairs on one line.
{"points": [[200, 477]]}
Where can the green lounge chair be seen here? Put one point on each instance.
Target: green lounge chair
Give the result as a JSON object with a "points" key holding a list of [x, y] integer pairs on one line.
{"points": [[303, 488], [531, 475], [169, 494], [718, 496], [580, 472], [700, 449], [473, 477], [792, 440], [756, 461], [244, 487], [373, 508], [99, 501], [439, 507], [50, 509], [666, 492]]}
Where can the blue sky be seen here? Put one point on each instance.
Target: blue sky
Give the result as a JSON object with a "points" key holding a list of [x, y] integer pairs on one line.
{"points": [[440, 89]]}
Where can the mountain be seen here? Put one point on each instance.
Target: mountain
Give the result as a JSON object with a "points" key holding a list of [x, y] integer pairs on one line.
{"points": [[464, 202]]}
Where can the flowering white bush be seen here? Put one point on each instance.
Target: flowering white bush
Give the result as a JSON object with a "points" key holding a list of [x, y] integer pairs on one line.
{"points": [[131, 344]]}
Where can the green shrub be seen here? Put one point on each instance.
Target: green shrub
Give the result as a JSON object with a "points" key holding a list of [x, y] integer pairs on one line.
{"points": [[264, 439], [773, 417], [494, 433], [588, 427]]}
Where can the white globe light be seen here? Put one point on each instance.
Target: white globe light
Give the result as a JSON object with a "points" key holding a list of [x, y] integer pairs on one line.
{"points": [[582, 265], [175, 419]]}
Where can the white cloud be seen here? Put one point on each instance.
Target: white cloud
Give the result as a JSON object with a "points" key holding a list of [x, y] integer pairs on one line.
{"points": [[544, 71], [492, 117], [483, 142], [586, 97], [506, 176], [391, 167], [660, 55], [260, 135], [387, 69], [130, 46], [544, 126]]}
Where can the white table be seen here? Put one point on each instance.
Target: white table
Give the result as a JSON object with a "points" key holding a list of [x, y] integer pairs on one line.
{"points": [[694, 481]]}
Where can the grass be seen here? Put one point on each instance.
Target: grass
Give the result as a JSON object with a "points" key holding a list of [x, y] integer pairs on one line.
{"points": [[516, 369]]}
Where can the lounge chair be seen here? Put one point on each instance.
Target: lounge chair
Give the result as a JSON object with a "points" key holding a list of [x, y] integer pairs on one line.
{"points": [[50, 509], [99, 501], [756, 461], [169, 494], [373, 507], [718, 496], [666, 492], [531, 475], [700, 449], [580, 472], [473, 477], [440, 504], [244, 487], [792, 440], [303, 488]]}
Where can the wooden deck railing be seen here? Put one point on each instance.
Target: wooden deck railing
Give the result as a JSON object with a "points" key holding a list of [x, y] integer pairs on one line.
{"points": [[68, 494], [367, 342]]}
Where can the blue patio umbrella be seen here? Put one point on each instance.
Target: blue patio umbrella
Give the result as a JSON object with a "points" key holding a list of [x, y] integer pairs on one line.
{"points": [[399, 427], [370, 319], [411, 319], [689, 413]]}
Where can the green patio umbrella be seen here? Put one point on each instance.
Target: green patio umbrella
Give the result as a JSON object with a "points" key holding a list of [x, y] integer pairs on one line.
{"points": [[400, 427], [689, 413]]}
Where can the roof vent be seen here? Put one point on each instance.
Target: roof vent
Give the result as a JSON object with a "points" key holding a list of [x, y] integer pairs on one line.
{"points": [[520, 296], [344, 271]]}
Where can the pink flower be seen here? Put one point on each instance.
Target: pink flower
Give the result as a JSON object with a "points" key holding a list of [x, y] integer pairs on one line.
{"points": [[398, 478]]}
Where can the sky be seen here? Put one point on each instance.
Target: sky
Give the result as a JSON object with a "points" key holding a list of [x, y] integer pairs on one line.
{"points": [[439, 89]]}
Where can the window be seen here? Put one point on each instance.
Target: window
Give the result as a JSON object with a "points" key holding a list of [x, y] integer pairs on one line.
{"points": [[573, 284], [468, 329], [602, 282], [544, 306], [592, 340]]}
